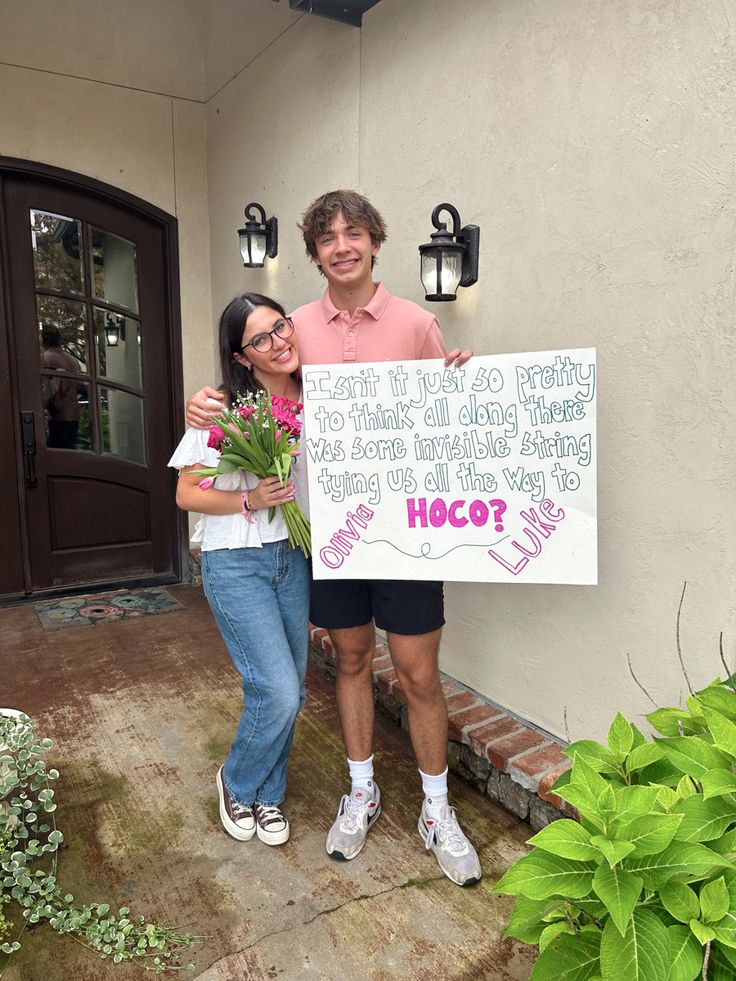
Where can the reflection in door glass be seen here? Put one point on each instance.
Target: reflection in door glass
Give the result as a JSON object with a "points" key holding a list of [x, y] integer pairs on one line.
{"points": [[122, 424], [114, 265], [56, 259], [66, 412], [118, 347], [61, 333]]}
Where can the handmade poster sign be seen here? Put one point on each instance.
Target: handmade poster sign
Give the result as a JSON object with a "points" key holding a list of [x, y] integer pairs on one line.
{"points": [[484, 473]]}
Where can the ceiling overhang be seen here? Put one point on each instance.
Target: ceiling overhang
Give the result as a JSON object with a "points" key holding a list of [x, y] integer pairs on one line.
{"points": [[345, 11]]}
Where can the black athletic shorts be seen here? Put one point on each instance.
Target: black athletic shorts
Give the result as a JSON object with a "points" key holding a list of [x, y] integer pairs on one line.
{"points": [[397, 605]]}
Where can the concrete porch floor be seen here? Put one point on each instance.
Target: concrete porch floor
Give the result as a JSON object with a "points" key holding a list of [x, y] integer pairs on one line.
{"points": [[141, 712]]}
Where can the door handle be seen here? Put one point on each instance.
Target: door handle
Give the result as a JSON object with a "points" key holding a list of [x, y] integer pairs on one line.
{"points": [[28, 434]]}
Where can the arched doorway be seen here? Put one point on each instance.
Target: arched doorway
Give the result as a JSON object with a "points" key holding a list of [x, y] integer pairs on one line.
{"points": [[91, 361]]}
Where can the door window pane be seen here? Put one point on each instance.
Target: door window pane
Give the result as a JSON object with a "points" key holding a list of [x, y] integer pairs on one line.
{"points": [[118, 347], [61, 334], [66, 412], [56, 257], [122, 424], [115, 271]]}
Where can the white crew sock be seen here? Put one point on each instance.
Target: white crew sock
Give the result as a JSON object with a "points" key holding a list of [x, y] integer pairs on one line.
{"points": [[361, 775], [435, 793]]}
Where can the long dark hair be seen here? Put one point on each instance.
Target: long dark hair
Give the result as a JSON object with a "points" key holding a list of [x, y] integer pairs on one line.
{"points": [[235, 376]]}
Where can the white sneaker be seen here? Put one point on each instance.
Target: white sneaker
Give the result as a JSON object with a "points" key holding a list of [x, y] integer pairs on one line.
{"points": [[237, 819], [355, 817], [272, 826], [456, 856]]}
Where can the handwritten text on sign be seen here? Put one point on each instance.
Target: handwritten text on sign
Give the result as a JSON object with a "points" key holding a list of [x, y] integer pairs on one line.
{"points": [[483, 473]]}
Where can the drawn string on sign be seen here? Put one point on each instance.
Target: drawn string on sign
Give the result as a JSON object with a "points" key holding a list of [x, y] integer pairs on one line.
{"points": [[426, 548]]}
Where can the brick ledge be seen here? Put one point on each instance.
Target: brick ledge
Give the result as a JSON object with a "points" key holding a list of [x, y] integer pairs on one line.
{"points": [[512, 763]]}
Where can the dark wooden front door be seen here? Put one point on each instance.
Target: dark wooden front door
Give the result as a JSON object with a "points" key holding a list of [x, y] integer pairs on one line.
{"points": [[91, 358]]}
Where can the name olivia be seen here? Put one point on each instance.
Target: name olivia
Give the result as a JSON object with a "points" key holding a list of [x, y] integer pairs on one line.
{"points": [[344, 539]]}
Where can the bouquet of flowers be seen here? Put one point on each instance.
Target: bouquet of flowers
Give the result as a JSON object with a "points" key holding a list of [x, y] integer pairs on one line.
{"points": [[261, 434]]}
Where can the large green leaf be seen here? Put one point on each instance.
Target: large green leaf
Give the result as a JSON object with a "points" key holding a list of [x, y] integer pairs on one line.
{"points": [[613, 850], [702, 932], [686, 954], [567, 839], [552, 931], [722, 730], [680, 901], [619, 891], [594, 754], [651, 833], [693, 757], [587, 805], [620, 736], [680, 859], [727, 943], [526, 920], [719, 968], [583, 775], [634, 802], [718, 783], [670, 721], [714, 900], [541, 875], [722, 698], [569, 958], [643, 756], [642, 955], [704, 820]]}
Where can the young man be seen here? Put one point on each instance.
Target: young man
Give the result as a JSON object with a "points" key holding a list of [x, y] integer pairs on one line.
{"points": [[357, 319]]}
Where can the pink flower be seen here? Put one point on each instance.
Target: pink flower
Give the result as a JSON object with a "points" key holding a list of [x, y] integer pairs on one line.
{"points": [[277, 435], [206, 482], [246, 411], [216, 437], [286, 419]]}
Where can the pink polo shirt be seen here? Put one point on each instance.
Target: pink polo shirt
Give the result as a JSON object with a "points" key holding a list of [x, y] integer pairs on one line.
{"points": [[387, 328]]}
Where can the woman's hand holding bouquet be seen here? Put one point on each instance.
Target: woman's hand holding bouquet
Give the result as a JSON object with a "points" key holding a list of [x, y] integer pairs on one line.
{"points": [[261, 434]]}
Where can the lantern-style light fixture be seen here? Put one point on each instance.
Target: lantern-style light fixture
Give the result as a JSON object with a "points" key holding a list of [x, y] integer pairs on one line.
{"points": [[259, 238], [114, 329], [449, 259]]}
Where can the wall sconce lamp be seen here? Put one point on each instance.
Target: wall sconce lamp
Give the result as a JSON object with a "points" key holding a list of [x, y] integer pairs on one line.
{"points": [[114, 329], [259, 238], [450, 259]]}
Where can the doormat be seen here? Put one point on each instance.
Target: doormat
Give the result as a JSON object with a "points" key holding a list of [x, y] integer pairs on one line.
{"points": [[120, 604]]}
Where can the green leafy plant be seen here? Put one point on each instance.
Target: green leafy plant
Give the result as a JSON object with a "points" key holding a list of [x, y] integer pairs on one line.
{"points": [[29, 843], [643, 887]]}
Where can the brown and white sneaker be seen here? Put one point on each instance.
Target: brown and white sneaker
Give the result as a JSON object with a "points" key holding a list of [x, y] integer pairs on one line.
{"points": [[237, 819], [271, 826]]}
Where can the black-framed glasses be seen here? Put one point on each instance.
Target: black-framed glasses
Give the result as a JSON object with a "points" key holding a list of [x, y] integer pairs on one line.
{"points": [[264, 342]]}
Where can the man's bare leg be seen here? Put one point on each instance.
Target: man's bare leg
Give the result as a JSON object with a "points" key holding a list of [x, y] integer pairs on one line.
{"points": [[354, 650], [415, 662]]}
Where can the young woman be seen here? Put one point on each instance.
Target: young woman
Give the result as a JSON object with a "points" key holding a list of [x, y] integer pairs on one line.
{"points": [[257, 587]]}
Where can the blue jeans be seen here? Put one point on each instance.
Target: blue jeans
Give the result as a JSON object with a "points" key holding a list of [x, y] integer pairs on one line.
{"points": [[259, 598]]}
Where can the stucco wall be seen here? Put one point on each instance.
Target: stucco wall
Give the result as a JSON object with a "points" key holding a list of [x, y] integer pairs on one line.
{"points": [[594, 144], [119, 98]]}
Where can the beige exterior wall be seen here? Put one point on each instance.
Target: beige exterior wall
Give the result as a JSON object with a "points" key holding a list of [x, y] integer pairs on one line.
{"points": [[118, 98], [592, 142], [594, 145]]}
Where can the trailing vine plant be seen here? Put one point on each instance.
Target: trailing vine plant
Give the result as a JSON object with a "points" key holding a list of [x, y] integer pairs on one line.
{"points": [[31, 893]]}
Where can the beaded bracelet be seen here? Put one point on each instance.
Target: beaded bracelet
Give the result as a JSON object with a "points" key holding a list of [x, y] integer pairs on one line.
{"points": [[245, 507]]}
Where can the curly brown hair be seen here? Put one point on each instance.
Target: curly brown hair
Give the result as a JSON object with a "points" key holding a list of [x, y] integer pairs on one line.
{"points": [[355, 209]]}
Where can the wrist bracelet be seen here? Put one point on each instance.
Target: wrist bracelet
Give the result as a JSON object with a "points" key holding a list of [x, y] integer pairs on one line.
{"points": [[245, 508]]}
